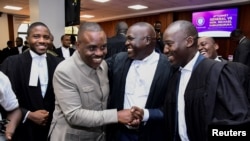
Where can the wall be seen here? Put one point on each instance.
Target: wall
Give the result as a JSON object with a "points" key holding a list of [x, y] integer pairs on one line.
{"points": [[227, 47], [4, 36]]}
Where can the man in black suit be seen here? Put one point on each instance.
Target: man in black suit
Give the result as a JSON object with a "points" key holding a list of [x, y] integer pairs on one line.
{"points": [[31, 75], [139, 77], [242, 52], [203, 92], [116, 43], [65, 50], [19, 45], [159, 43], [9, 50]]}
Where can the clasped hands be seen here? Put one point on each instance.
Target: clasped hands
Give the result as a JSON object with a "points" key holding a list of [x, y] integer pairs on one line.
{"points": [[131, 117]]}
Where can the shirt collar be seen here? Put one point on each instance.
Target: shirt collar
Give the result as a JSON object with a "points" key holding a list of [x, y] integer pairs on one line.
{"points": [[33, 54], [190, 65], [242, 39], [65, 48], [151, 58], [88, 69], [217, 59]]}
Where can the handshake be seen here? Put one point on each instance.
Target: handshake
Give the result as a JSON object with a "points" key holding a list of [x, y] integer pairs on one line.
{"points": [[131, 117]]}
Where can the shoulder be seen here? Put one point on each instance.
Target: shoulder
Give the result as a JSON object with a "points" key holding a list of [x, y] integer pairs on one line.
{"points": [[120, 56], [3, 77], [54, 59]]}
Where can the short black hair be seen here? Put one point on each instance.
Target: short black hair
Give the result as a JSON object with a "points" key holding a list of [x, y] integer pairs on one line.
{"points": [[10, 43], [35, 24], [236, 33]]}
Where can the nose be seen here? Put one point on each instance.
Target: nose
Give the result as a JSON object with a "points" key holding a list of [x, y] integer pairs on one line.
{"points": [[42, 39], [100, 52]]}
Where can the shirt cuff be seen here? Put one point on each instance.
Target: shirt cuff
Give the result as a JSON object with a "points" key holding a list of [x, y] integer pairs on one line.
{"points": [[26, 116], [146, 115]]}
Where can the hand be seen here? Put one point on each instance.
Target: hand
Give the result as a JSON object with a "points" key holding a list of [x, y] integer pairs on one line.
{"points": [[125, 116], [8, 136], [137, 113], [14, 117], [40, 117]]}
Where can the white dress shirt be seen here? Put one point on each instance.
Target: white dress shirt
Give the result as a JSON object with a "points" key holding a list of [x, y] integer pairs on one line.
{"points": [[138, 82], [20, 49], [184, 79], [65, 52], [8, 98], [39, 70]]}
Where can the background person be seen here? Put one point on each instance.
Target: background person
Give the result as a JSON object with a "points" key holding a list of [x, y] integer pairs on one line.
{"points": [[159, 43], [208, 48], [116, 43], [242, 51], [19, 45], [65, 51]]}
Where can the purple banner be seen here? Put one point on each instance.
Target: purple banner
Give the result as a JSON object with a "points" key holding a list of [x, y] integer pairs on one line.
{"points": [[216, 23]]}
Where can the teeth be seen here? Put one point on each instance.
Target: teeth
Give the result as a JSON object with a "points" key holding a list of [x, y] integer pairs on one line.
{"points": [[129, 49], [98, 60]]}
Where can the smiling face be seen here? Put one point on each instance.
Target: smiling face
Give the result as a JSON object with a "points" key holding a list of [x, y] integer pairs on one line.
{"points": [[175, 45], [39, 39], [92, 47], [66, 41], [140, 41], [207, 47], [180, 42]]}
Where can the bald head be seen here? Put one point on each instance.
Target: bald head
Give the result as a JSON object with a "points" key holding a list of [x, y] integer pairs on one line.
{"points": [[180, 39], [146, 27], [141, 40], [121, 27]]}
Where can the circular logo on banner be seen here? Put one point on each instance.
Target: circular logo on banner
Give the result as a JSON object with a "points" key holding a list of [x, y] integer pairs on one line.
{"points": [[200, 21]]}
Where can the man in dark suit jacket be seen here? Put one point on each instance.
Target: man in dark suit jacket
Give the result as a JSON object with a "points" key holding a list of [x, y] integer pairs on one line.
{"points": [[9, 50], [19, 45], [116, 43], [139, 78], [159, 43], [34, 90], [65, 50], [203, 92], [242, 52]]}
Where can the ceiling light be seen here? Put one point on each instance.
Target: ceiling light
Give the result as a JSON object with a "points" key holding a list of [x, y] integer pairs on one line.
{"points": [[12, 7], [137, 7], [87, 16], [101, 1]]}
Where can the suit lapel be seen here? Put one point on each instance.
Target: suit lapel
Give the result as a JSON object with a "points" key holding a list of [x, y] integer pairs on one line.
{"points": [[124, 72], [34, 93]]}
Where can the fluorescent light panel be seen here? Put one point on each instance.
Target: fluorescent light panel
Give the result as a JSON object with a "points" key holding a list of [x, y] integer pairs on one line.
{"points": [[102, 1], [87, 16], [12, 7], [137, 7]]}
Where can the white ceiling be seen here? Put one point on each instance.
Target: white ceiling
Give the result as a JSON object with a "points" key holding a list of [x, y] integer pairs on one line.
{"points": [[117, 9]]}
